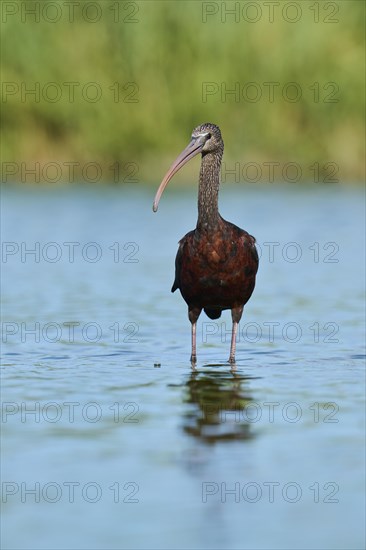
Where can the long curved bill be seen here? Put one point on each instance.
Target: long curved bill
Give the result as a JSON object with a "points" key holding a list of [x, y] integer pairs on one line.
{"points": [[195, 146]]}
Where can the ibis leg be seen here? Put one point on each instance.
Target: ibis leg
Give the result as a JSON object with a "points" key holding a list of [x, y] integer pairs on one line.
{"points": [[236, 314], [193, 315], [194, 351]]}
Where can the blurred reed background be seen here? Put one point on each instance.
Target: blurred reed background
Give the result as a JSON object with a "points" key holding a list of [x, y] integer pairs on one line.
{"points": [[122, 84]]}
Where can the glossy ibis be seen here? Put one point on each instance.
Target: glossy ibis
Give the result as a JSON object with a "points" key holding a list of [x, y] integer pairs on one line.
{"points": [[217, 262]]}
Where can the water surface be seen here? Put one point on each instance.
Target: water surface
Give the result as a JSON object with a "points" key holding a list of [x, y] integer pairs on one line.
{"points": [[110, 440]]}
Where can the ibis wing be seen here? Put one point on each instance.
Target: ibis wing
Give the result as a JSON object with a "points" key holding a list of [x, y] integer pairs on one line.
{"points": [[178, 267], [254, 254]]}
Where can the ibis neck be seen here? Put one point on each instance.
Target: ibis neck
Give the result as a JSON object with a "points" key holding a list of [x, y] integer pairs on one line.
{"points": [[208, 191]]}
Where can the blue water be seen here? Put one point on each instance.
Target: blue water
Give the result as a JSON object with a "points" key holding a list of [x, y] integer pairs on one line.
{"points": [[111, 441]]}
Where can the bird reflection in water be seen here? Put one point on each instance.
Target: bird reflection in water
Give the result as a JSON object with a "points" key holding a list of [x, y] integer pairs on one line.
{"points": [[217, 406]]}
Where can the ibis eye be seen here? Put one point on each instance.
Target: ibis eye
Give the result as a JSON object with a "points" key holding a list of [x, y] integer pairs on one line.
{"points": [[208, 136]]}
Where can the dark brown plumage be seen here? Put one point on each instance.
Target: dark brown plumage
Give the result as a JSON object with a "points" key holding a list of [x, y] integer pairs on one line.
{"points": [[217, 262]]}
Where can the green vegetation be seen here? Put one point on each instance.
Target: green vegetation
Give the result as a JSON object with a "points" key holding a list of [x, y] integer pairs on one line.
{"points": [[175, 64]]}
